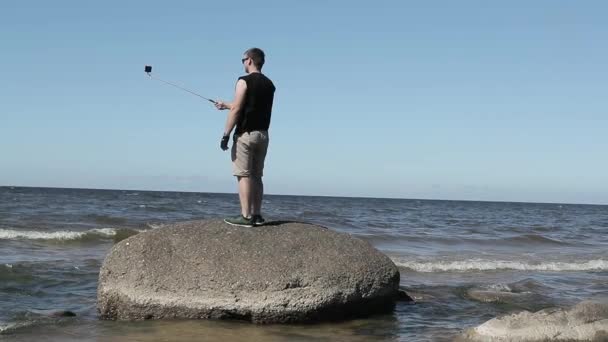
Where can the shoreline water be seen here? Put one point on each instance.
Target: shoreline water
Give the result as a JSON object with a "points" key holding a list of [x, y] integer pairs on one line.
{"points": [[455, 257]]}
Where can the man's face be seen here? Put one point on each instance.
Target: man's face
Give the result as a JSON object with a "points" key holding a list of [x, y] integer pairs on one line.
{"points": [[246, 63]]}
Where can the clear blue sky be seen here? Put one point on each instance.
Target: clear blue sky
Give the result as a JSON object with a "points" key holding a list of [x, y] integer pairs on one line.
{"points": [[477, 100]]}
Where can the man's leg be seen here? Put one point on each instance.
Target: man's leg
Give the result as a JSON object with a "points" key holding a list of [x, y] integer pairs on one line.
{"points": [[241, 162], [261, 147], [245, 192], [245, 195], [257, 195]]}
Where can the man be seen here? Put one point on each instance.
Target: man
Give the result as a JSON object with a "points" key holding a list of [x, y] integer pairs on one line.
{"points": [[250, 117]]}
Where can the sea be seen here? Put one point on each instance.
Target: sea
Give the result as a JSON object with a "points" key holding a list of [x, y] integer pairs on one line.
{"points": [[463, 262]]}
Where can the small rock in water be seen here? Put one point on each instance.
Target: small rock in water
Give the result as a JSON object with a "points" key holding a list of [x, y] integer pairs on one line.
{"points": [[521, 294], [586, 321], [63, 313], [404, 297]]}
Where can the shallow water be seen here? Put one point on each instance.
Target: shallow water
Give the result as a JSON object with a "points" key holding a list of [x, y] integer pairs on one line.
{"points": [[464, 262]]}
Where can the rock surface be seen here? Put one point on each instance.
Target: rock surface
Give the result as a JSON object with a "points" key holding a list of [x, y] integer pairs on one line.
{"points": [[281, 272], [586, 321]]}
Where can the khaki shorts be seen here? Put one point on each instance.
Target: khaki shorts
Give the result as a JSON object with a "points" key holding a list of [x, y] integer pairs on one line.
{"points": [[248, 154]]}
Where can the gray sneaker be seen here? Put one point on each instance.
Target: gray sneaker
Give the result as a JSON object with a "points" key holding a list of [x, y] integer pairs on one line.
{"points": [[240, 221], [258, 220]]}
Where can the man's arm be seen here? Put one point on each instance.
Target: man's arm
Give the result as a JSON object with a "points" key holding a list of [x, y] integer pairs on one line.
{"points": [[235, 106]]}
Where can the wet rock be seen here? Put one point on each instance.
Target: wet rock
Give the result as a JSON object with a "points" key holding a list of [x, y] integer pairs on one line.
{"points": [[587, 321], [63, 313], [523, 294], [404, 297]]}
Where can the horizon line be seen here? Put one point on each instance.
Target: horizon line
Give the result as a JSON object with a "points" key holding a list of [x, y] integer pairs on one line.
{"points": [[294, 195]]}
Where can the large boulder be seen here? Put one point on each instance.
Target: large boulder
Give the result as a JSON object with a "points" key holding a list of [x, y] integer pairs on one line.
{"points": [[282, 272]]}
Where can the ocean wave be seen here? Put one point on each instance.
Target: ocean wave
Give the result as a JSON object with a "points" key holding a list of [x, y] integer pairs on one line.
{"points": [[9, 328], [154, 225], [29, 318], [106, 219], [66, 235], [535, 239], [33, 277], [6, 327], [493, 265], [378, 236]]}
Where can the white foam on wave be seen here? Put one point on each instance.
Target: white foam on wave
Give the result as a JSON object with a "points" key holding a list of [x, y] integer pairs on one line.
{"points": [[154, 225], [491, 265], [4, 327], [10, 234]]}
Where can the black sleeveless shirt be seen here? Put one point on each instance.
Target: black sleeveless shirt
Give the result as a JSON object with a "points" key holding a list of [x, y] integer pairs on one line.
{"points": [[257, 106]]}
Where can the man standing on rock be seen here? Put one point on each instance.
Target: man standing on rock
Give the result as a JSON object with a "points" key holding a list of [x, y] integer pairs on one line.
{"points": [[250, 113]]}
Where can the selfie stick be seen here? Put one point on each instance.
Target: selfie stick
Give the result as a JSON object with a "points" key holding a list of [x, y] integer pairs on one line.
{"points": [[148, 70]]}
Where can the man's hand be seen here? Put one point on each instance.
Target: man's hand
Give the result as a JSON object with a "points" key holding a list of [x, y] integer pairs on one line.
{"points": [[224, 143], [221, 105]]}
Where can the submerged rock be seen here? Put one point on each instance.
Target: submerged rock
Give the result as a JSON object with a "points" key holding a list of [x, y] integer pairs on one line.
{"points": [[526, 294], [278, 273], [587, 321], [63, 313], [404, 297]]}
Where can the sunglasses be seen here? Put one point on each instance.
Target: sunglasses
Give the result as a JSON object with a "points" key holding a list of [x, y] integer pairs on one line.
{"points": [[244, 59]]}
